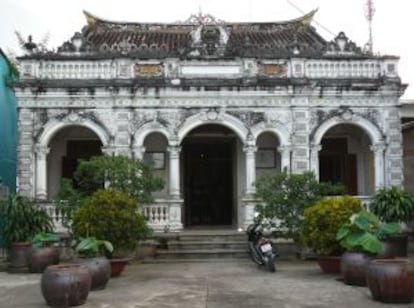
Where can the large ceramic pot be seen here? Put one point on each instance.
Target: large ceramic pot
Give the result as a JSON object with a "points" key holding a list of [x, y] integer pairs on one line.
{"points": [[353, 268], [40, 258], [18, 254], [65, 285], [395, 246], [330, 264], [99, 269], [118, 266], [391, 280]]}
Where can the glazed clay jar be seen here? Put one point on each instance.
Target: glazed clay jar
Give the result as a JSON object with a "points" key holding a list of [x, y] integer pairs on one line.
{"points": [[391, 280], [65, 285]]}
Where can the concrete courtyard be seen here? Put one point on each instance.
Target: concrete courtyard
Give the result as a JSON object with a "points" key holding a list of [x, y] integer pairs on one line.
{"points": [[199, 285]]}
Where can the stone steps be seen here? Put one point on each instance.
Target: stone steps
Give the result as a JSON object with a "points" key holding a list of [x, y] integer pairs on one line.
{"points": [[203, 254], [202, 245], [211, 246], [197, 245]]}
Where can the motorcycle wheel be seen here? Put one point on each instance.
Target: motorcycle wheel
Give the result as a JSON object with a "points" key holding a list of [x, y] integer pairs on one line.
{"points": [[270, 264]]}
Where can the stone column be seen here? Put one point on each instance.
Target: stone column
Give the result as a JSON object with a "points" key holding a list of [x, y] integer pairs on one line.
{"points": [[285, 157], [314, 159], [174, 188], [250, 151], [174, 172], [41, 172], [379, 164], [138, 152]]}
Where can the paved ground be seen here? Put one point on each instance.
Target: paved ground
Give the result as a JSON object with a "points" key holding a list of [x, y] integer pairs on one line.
{"points": [[213, 285]]}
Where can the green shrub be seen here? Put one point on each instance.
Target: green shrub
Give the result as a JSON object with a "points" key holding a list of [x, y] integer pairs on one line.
{"points": [[322, 221], [283, 197], [112, 216], [23, 219]]}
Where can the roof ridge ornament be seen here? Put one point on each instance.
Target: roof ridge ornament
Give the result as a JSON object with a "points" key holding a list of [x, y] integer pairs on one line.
{"points": [[201, 19], [342, 45]]}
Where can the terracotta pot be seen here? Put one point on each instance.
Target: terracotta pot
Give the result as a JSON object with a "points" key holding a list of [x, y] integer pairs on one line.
{"points": [[40, 258], [330, 264], [391, 280], [395, 246], [99, 269], [18, 254], [353, 268], [118, 266], [65, 285]]}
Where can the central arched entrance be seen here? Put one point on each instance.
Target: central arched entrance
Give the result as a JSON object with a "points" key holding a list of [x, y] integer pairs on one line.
{"points": [[67, 147], [210, 176]]}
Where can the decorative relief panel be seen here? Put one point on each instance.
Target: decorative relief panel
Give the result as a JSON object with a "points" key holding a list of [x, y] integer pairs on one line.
{"points": [[172, 119], [273, 70], [148, 70], [249, 118], [277, 116]]}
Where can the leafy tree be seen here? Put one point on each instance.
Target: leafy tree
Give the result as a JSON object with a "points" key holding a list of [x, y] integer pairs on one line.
{"points": [[283, 198], [128, 175]]}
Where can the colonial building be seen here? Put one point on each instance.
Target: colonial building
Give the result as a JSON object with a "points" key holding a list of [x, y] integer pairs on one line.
{"points": [[213, 105]]}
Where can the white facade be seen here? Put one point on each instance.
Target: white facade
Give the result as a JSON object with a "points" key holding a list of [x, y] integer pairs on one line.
{"points": [[294, 121]]}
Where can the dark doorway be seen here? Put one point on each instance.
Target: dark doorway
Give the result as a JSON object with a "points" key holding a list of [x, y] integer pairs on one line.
{"points": [[77, 150], [337, 166], [208, 182]]}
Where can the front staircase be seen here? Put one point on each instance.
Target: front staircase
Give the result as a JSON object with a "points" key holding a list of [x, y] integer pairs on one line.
{"points": [[201, 246]]}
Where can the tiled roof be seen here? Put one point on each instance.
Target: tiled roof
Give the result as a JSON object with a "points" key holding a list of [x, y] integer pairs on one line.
{"points": [[201, 37]]}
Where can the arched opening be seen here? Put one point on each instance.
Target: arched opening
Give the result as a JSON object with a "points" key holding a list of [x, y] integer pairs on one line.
{"points": [[67, 147], [345, 158], [210, 158], [155, 145], [268, 160]]}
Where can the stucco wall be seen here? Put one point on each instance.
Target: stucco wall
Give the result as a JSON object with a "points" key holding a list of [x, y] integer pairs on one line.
{"points": [[8, 128]]}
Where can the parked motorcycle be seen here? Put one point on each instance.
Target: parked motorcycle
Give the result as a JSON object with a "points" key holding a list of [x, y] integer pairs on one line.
{"points": [[261, 248]]}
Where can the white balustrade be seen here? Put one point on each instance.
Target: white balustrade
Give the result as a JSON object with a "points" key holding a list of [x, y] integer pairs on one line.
{"points": [[56, 216], [313, 68], [343, 69], [76, 70], [157, 215]]}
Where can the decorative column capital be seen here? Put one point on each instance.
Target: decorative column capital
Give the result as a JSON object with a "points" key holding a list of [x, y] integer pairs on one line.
{"points": [[42, 151], [378, 148], [315, 148], [138, 152], [174, 151], [249, 148], [284, 148], [109, 150]]}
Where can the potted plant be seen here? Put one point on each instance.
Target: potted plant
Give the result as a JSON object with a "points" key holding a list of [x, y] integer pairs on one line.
{"points": [[44, 252], [91, 252], [393, 204], [23, 219], [361, 237], [112, 215], [320, 225]]}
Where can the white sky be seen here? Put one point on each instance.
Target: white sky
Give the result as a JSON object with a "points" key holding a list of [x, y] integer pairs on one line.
{"points": [[393, 21]]}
